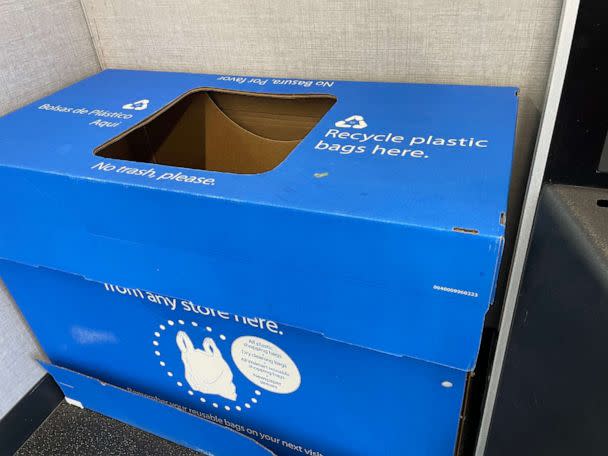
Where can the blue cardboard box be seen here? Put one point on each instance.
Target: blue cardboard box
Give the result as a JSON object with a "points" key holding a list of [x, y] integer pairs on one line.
{"points": [[287, 266]]}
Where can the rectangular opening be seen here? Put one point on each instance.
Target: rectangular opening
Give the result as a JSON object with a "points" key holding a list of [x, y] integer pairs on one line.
{"points": [[215, 130]]}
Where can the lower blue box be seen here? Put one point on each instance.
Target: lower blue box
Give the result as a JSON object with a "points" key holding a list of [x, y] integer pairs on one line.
{"points": [[188, 372]]}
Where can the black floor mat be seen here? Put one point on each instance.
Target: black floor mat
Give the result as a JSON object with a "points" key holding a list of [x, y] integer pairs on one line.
{"points": [[71, 431]]}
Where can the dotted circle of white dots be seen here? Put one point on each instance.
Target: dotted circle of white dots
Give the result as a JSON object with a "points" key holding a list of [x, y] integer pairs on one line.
{"points": [[447, 384], [202, 399]]}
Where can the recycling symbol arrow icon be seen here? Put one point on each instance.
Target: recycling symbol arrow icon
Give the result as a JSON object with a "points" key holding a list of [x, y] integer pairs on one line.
{"points": [[357, 122], [139, 105]]}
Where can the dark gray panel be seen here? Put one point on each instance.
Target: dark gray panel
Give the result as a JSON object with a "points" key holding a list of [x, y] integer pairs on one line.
{"points": [[71, 431], [552, 398]]}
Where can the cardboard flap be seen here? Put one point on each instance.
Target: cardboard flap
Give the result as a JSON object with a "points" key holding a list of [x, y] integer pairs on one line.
{"points": [[229, 147], [152, 415], [287, 118]]}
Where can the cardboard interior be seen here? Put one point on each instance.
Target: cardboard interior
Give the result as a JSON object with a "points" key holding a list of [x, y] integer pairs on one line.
{"points": [[240, 133]]}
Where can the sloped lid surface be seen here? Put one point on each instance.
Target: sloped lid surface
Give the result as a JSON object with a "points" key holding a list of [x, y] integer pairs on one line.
{"points": [[423, 155]]}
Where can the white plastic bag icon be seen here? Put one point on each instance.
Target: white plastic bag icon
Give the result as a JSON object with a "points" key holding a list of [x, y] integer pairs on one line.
{"points": [[205, 370]]}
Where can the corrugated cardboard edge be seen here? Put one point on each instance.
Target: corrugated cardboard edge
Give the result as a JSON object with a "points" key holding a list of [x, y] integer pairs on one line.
{"points": [[81, 401]]}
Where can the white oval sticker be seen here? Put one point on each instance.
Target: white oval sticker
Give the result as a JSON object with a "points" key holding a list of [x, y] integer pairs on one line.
{"points": [[265, 365]]}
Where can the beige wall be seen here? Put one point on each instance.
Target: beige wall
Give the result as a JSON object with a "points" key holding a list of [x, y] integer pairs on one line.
{"points": [[445, 41], [44, 45]]}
